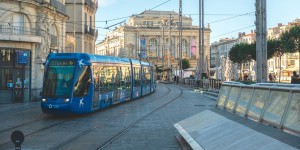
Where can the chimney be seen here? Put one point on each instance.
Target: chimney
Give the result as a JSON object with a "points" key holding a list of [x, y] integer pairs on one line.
{"points": [[240, 34]]}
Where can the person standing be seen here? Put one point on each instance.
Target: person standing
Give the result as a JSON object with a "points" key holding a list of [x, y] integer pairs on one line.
{"points": [[270, 77], [294, 78]]}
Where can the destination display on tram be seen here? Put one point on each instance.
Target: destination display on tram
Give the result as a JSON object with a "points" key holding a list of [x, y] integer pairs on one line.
{"points": [[64, 62]]}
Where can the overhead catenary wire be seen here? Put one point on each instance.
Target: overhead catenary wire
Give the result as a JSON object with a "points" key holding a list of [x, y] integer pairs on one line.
{"points": [[233, 31], [98, 27]]}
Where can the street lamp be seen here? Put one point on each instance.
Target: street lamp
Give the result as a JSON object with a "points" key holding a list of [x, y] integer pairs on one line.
{"points": [[222, 66]]}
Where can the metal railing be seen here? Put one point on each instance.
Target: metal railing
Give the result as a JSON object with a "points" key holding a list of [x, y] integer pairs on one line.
{"points": [[206, 84], [275, 104], [96, 34], [18, 30], [90, 4], [89, 30], [59, 6]]}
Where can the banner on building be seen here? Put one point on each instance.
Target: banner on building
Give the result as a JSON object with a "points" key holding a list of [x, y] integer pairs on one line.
{"points": [[143, 48], [193, 48], [23, 57]]}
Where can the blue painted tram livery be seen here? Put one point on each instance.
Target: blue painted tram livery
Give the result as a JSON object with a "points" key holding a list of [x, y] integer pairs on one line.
{"points": [[80, 83]]}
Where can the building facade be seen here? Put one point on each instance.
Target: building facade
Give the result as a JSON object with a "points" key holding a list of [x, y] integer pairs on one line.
{"points": [[221, 66], [29, 31], [81, 25], [282, 67], [154, 36]]}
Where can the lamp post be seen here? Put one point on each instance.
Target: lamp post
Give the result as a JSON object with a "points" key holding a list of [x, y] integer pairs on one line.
{"points": [[222, 66], [163, 24]]}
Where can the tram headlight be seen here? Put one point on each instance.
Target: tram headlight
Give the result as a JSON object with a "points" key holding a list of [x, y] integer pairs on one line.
{"points": [[66, 100], [44, 100]]}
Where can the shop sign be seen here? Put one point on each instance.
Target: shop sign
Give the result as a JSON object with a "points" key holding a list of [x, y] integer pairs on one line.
{"points": [[23, 57]]}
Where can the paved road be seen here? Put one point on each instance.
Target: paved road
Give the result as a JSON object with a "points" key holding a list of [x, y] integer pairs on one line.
{"points": [[146, 123]]}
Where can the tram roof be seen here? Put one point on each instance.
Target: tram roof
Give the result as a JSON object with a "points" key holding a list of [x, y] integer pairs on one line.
{"points": [[97, 58]]}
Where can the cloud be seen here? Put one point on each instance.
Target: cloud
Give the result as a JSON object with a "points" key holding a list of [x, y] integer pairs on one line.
{"points": [[105, 3]]}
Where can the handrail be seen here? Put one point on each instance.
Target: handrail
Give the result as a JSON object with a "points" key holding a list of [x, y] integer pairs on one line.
{"points": [[295, 87]]}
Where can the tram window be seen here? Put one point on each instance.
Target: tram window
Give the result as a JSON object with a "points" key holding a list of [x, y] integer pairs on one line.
{"points": [[146, 76], [137, 78], [123, 77], [96, 74], [103, 83], [111, 71], [83, 83], [118, 78], [127, 77]]}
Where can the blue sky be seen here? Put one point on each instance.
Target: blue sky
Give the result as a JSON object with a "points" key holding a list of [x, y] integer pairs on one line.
{"points": [[237, 15]]}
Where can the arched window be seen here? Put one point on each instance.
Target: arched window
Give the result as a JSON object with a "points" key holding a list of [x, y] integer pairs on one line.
{"points": [[152, 51], [16, 23]]}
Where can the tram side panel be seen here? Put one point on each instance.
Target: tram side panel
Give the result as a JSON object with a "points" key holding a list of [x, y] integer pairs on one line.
{"points": [[146, 79], [152, 81]]}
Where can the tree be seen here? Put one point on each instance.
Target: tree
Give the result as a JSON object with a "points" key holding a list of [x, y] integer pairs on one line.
{"points": [[291, 40], [275, 48], [185, 63], [241, 53]]}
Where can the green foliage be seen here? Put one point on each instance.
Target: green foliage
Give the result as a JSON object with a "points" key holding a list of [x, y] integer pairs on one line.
{"points": [[185, 63], [291, 39], [241, 53], [275, 48]]}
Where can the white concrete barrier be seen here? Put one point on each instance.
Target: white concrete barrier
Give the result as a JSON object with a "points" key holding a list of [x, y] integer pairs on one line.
{"points": [[275, 104]]}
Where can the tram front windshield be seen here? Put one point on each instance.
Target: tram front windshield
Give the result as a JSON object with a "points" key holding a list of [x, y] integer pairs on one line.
{"points": [[59, 78]]}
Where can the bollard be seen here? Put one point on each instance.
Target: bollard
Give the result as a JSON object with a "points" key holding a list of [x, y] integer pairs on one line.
{"points": [[17, 137]]}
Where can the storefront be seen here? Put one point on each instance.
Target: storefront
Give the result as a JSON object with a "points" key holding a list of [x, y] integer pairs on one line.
{"points": [[15, 75]]}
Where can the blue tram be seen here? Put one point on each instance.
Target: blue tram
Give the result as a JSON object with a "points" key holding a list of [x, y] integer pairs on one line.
{"points": [[80, 83]]}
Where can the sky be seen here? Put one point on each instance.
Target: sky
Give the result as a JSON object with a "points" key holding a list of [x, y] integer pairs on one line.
{"points": [[226, 17]]}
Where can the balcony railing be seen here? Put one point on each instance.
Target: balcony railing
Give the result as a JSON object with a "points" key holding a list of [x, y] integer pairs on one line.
{"points": [[96, 34], [90, 4], [90, 31], [58, 6], [18, 30]]}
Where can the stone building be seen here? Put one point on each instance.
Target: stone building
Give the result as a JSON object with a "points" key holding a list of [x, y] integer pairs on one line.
{"points": [[81, 25], [283, 67], [221, 66], [154, 36], [220, 59], [29, 31]]}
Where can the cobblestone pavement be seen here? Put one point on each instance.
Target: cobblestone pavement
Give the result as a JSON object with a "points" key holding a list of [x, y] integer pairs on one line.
{"points": [[148, 120], [155, 131]]}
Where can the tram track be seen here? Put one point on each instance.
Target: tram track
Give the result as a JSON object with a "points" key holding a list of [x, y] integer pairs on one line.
{"points": [[37, 131], [102, 123], [119, 134], [2, 143]]}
